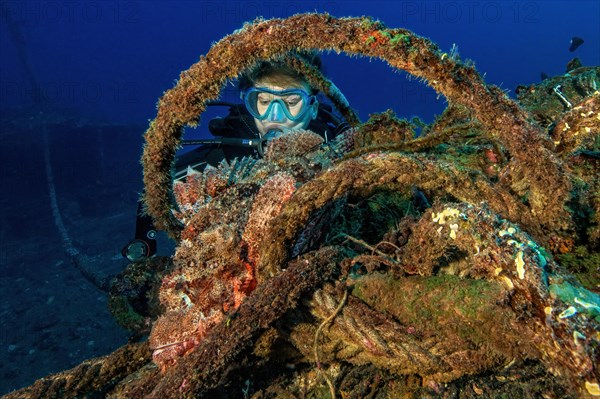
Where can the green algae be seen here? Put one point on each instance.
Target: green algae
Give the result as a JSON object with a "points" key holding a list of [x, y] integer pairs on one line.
{"points": [[463, 305], [584, 301], [400, 39], [583, 264]]}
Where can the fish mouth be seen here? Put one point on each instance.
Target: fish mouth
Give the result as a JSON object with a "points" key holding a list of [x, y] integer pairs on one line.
{"points": [[161, 348], [179, 347]]}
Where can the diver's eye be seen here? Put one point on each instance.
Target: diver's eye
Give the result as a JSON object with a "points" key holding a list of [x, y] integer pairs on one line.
{"points": [[293, 100], [264, 99]]}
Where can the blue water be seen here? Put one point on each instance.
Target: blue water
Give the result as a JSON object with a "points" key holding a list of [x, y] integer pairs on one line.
{"points": [[113, 59], [104, 64]]}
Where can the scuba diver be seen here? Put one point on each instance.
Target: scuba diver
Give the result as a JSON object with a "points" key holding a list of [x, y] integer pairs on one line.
{"points": [[276, 99]]}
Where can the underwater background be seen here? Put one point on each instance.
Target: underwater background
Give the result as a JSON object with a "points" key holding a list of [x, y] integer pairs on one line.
{"points": [[80, 80]]}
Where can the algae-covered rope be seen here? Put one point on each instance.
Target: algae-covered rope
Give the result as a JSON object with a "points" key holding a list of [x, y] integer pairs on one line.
{"points": [[539, 171], [316, 342]]}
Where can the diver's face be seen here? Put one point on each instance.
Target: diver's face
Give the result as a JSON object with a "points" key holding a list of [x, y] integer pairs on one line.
{"points": [[273, 105]]}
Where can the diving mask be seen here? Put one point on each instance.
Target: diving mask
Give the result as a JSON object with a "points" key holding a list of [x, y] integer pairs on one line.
{"points": [[277, 105]]}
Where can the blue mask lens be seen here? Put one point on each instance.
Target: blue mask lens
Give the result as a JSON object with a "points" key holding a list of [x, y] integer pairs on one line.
{"points": [[277, 105]]}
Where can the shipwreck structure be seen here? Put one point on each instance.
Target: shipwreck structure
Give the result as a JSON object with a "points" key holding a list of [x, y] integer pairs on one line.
{"points": [[378, 265]]}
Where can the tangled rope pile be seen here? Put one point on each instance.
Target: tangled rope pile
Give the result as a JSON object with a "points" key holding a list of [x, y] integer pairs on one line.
{"points": [[326, 264], [533, 168]]}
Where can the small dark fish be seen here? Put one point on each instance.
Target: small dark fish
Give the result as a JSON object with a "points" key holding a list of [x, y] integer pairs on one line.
{"points": [[574, 64], [575, 43], [544, 76]]}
